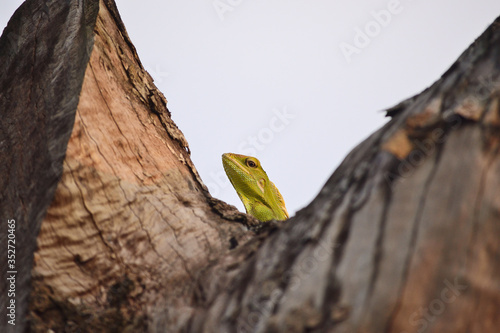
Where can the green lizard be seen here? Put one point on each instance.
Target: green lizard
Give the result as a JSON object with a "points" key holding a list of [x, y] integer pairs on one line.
{"points": [[259, 195]]}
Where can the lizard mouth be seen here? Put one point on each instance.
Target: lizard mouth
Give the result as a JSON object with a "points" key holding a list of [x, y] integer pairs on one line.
{"points": [[235, 163]]}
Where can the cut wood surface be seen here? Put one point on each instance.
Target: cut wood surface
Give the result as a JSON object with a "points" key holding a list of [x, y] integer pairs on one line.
{"points": [[40, 79], [117, 232], [130, 220]]}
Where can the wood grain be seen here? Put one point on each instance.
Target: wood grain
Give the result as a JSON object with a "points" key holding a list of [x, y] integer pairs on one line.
{"points": [[130, 209], [126, 238]]}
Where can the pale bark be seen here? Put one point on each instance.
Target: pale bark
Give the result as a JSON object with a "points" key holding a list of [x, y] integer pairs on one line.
{"points": [[403, 236], [130, 223]]}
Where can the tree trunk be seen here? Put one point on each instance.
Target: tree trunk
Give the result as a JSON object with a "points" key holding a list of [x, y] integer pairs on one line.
{"points": [[115, 231]]}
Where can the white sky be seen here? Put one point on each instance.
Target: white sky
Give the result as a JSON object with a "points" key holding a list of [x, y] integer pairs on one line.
{"points": [[269, 77]]}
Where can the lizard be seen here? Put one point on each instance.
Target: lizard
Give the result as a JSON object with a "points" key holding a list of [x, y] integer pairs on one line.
{"points": [[259, 195]]}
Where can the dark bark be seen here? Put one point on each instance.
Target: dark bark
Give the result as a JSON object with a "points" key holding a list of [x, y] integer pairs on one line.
{"points": [[403, 236], [41, 77]]}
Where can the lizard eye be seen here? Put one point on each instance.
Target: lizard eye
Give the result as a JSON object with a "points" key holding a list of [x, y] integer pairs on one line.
{"points": [[251, 163]]}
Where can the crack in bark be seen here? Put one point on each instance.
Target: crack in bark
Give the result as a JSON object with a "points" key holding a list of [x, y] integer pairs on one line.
{"points": [[91, 215], [378, 251], [174, 232], [413, 241], [84, 127], [153, 162], [475, 225], [184, 262], [479, 196], [112, 115], [164, 259], [119, 181], [30, 92]]}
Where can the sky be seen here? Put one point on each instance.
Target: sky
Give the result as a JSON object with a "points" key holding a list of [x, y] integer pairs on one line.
{"points": [[297, 84]]}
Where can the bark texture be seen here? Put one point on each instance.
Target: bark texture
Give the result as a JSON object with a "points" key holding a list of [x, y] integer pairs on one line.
{"points": [[41, 77], [125, 237], [404, 235], [130, 222]]}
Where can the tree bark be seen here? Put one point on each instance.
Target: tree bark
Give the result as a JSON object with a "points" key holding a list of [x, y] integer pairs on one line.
{"points": [[115, 230], [130, 221]]}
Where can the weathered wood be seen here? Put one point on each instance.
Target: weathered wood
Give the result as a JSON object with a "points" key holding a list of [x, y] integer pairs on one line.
{"points": [[130, 221], [38, 96], [404, 235], [141, 223], [402, 238]]}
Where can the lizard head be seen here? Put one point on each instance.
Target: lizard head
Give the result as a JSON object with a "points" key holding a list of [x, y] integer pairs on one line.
{"points": [[246, 174], [259, 195]]}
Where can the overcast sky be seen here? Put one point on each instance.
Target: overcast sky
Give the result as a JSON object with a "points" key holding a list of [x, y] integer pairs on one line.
{"points": [[295, 83]]}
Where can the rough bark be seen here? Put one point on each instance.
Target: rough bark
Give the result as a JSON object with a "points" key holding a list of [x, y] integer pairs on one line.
{"points": [[35, 123], [403, 236], [130, 221]]}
